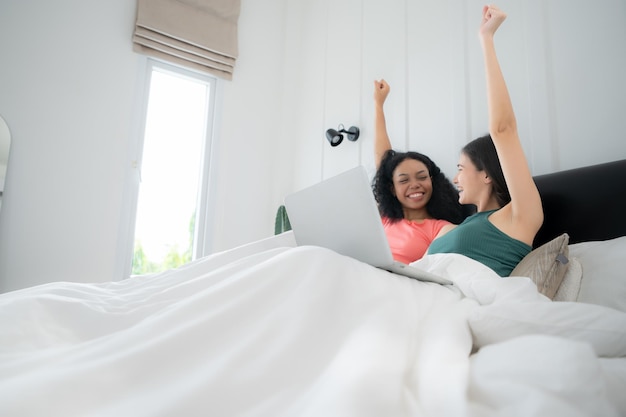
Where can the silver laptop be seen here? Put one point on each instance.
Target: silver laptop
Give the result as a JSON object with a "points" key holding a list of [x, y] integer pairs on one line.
{"points": [[341, 214]]}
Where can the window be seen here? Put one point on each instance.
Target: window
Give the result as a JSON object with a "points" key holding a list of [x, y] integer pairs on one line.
{"points": [[173, 169]]}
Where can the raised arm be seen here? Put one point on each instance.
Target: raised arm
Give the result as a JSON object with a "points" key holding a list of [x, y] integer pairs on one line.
{"points": [[381, 139], [524, 212]]}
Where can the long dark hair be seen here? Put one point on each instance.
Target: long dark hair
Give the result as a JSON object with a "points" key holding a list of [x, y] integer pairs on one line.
{"points": [[444, 201], [482, 153]]}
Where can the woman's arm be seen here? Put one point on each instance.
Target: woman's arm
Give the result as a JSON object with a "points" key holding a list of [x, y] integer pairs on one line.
{"points": [[524, 214], [381, 139]]}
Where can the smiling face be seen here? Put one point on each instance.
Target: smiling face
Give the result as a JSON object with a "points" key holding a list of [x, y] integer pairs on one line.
{"points": [[471, 183], [412, 186]]}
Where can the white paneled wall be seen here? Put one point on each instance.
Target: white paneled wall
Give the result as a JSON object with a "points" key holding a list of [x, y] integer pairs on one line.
{"points": [[305, 61], [343, 80], [384, 56], [438, 110], [563, 67], [429, 52], [587, 59]]}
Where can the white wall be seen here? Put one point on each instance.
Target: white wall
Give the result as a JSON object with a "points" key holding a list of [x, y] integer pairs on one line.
{"points": [[71, 103], [67, 92], [71, 91], [564, 70], [250, 173]]}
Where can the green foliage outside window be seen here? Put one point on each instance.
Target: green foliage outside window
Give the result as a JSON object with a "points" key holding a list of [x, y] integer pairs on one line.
{"points": [[173, 259]]}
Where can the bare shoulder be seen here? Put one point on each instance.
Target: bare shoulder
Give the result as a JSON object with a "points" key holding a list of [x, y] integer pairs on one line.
{"points": [[445, 229]]}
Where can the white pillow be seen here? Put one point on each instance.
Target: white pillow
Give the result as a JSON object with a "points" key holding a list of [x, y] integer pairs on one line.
{"points": [[570, 286], [604, 272], [601, 327]]}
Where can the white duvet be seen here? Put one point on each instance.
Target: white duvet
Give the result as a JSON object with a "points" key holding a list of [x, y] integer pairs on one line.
{"points": [[307, 332]]}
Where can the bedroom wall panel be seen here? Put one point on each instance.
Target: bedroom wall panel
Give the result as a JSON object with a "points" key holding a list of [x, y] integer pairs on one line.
{"points": [[588, 57], [542, 152], [512, 50], [437, 111], [342, 83], [251, 131], [430, 54], [304, 92], [571, 93], [384, 55]]}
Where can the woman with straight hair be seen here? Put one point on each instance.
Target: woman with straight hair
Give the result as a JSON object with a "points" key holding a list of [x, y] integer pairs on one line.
{"points": [[493, 174]]}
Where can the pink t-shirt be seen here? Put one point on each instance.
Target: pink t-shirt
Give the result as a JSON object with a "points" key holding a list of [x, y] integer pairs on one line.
{"points": [[409, 240]]}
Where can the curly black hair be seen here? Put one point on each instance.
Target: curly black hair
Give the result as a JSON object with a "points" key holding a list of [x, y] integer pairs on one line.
{"points": [[482, 152], [444, 201]]}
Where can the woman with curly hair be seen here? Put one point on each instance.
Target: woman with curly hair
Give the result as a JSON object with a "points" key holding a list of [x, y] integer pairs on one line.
{"points": [[417, 202]]}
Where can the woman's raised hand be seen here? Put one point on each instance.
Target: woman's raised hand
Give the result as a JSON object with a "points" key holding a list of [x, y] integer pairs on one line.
{"points": [[492, 18], [381, 91]]}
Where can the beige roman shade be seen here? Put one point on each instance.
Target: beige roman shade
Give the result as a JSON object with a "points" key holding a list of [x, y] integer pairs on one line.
{"points": [[197, 34]]}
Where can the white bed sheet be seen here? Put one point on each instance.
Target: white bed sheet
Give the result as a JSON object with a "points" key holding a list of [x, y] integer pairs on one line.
{"points": [[289, 332]]}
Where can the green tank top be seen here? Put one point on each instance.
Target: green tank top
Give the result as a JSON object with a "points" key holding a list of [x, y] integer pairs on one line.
{"points": [[480, 240]]}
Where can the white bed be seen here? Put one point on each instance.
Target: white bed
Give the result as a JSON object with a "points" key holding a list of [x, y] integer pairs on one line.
{"points": [[271, 329]]}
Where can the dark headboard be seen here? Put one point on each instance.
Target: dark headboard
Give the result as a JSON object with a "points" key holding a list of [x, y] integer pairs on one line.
{"points": [[587, 203]]}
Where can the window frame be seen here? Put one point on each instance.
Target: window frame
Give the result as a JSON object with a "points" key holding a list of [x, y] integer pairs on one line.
{"points": [[205, 206]]}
